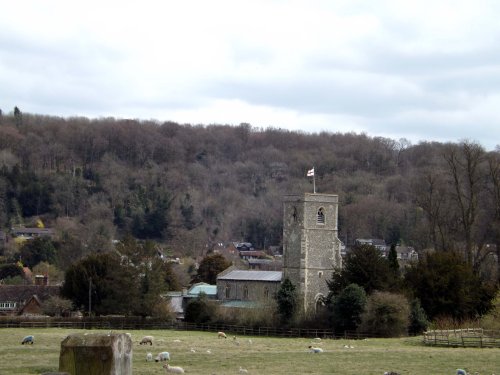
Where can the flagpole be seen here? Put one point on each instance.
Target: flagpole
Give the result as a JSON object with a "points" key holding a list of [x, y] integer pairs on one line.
{"points": [[314, 181]]}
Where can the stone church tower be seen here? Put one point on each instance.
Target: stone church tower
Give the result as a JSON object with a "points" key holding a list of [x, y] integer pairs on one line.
{"points": [[311, 247]]}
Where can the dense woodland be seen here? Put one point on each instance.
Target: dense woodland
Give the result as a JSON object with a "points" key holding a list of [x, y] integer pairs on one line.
{"points": [[189, 187], [143, 186]]}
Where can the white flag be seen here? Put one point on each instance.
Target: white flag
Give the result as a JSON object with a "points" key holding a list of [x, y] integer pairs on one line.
{"points": [[310, 172]]}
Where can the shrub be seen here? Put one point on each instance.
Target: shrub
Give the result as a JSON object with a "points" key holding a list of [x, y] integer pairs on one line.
{"points": [[200, 310], [492, 319], [418, 318], [386, 315]]}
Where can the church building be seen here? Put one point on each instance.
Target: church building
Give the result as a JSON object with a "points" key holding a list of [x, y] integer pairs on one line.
{"points": [[311, 251]]}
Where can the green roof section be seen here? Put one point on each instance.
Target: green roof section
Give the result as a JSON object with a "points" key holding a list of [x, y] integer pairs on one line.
{"points": [[209, 290]]}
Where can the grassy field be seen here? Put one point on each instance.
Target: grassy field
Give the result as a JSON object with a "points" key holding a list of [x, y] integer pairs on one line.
{"points": [[262, 355]]}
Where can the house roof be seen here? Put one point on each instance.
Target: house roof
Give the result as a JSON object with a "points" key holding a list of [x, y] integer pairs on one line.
{"points": [[32, 231], [21, 293], [252, 275], [208, 289]]}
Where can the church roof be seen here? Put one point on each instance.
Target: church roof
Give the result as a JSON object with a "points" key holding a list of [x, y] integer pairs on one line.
{"points": [[252, 275]]}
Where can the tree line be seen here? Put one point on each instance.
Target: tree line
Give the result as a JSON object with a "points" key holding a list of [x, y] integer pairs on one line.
{"points": [[183, 188]]}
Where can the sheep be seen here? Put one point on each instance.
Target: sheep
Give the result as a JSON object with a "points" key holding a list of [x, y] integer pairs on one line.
{"points": [[243, 370], [462, 372], [221, 335], [146, 340], [317, 339], [149, 357], [173, 369], [28, 340], [312, 349], [163, 356]]}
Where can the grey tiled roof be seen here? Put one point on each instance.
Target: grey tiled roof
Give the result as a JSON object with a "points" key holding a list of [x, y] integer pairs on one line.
{"points": [[252, 275]]}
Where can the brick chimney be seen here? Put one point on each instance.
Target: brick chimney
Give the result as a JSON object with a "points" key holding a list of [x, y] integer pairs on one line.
{"points": [[42, 280]]}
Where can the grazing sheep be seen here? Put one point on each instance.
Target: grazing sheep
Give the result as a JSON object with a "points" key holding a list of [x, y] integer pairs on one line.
{"points": [[312, 349], [146, 340], [149, 357], [317, 339], [250, 342], [173, 369], [221, 335], [163, 356], [243, 370], [192, 350], [28, 340], [462, 372]]}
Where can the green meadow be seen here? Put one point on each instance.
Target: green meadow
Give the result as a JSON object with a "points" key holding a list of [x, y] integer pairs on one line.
{"points": [[205, 353]]}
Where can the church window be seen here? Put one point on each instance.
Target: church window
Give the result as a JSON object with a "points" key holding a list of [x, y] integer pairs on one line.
{"points": [[294, 214], [320, 274], [245, 292], [321, 216], [227, 291], [266, 293]]}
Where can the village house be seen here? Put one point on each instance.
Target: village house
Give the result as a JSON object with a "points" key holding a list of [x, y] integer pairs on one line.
{"points": [[180, 299], [25, 299]]}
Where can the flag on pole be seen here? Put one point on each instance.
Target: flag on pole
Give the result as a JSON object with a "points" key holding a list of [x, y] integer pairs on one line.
{"points": [[310, 172]]}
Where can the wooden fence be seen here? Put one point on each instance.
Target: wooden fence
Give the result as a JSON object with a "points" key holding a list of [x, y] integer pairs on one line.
{"points": [[469, 337], [145, 324]]}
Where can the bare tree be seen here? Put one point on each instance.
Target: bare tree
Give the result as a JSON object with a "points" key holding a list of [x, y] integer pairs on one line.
{"points": [[464, 167]]}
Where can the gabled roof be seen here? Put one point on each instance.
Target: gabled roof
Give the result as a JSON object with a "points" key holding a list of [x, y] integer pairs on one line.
{"points": [[274, 276], [22, 293]]}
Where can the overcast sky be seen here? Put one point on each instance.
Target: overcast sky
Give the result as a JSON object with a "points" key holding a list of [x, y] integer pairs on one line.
{"points": [[420, 70]]}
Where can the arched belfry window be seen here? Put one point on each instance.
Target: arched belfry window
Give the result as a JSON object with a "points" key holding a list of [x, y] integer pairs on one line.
{"points": [[321, 216], [294, 214]]}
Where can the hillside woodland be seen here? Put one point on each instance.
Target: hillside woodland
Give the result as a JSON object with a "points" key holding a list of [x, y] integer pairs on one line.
{"points": [[189, 187]]}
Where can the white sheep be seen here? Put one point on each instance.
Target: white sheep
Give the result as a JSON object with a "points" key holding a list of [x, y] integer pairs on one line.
{"points": [[28, 340], [221, 335], [146, 340], [243, 370], [317, 339], [149, 357], [313, 349], [173, 369], [163, 356]]}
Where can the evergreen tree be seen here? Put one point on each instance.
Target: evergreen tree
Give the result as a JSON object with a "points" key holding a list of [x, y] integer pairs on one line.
{"points": [[447, 286], [363, 266], [40, 249], [18, 116], [286, 300], [348, 308], [418, 318], [392, 258], [210, 267]]}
